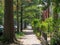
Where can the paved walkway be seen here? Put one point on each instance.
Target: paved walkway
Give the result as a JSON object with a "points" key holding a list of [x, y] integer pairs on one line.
{"points": [[30, 38]]}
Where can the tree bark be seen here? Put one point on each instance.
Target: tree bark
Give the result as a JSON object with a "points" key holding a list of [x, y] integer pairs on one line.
{"points": [[21, 18], [17, 17], [9, 32]]}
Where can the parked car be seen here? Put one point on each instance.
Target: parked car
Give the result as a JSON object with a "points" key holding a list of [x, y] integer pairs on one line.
{"points": [[15, 28], [1, 29]]}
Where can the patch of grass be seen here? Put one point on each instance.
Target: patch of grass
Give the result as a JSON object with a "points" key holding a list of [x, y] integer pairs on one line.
{"points": [[1, 38], [19, 35]]}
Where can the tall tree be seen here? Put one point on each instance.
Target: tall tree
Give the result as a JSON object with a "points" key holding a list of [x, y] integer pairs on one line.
{"points": [[17, 17], [21, 15], [9, 33]]}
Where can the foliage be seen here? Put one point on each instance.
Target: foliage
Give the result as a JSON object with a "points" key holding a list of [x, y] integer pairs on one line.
{"points": [[1, 14], [1, 38], [50, 24], [44, 27], [47, 26], [30, 12], [38, 34], [36, 26], [36, 23], [55, 40]]}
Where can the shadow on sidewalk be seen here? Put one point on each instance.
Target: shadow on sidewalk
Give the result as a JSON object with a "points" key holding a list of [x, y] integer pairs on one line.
{"points": [[31, 44], [28, 33]]}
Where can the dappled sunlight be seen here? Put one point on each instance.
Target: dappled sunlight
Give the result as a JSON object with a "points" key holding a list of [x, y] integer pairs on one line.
{"points": [[29, 22], [30, 38]]}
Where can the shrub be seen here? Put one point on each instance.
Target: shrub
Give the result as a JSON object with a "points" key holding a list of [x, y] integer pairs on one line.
{"points": [[35, 24], [47, 25], [44, 27], [55, 40]]}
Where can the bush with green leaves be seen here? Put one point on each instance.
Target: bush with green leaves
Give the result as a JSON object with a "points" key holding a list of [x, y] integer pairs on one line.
{"points": [[55, 40], [36, 25], [44, 26], [50, 24], [47, 25]]}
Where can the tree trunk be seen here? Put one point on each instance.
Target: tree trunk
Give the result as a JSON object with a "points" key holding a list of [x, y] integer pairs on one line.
{"points": [[25, 24], [9, 32], [17, 18], [21, 18]]}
